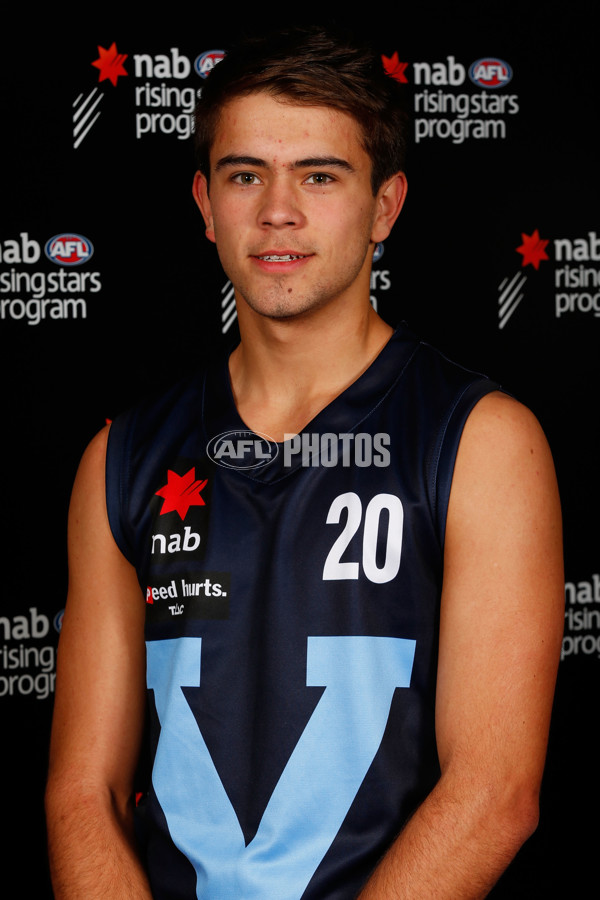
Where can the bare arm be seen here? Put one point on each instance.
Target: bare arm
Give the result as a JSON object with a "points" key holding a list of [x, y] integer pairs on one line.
{"points": [[99, 708], [501, 627]]}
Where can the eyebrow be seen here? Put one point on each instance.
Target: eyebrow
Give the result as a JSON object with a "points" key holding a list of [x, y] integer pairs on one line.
{"points": [[312, 162]]}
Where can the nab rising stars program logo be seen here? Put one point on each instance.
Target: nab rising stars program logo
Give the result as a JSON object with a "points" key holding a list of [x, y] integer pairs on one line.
{"points": [[574, 267], [162, 96], [86, 109], [446, 108], [533, 251]]}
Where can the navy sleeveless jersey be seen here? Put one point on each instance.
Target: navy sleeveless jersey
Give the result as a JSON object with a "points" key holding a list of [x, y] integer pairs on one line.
{"points": [[292, 599]]}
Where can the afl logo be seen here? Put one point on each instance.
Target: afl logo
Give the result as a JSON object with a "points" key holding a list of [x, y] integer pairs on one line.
{"points": [[490, 72], [205, 64], [68, 249], [242, 449]]}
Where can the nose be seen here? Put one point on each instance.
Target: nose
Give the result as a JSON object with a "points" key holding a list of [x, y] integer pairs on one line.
{"points": [[281, 206]]}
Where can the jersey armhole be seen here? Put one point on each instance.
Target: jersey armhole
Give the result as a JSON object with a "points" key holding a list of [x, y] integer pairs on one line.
{"points": [[117, 476]]}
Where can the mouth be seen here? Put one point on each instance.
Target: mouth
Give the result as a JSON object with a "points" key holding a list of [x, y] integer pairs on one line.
{"points": [[284, 257]]}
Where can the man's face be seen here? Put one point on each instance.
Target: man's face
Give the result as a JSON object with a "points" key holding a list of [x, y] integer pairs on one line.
{"points": [[291, 207]]}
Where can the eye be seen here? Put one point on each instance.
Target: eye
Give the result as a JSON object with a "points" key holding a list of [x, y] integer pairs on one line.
{"points": [[246, 178], [318, 178]]}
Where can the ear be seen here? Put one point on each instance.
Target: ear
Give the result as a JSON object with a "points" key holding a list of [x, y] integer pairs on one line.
{"points": [[390, 200], [200, 191]]}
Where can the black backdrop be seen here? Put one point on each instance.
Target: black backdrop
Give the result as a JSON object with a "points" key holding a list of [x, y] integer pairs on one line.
{"points": [[108, 287]]}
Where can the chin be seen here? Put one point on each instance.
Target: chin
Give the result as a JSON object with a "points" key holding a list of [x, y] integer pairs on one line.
{"points": [[287, 305]]}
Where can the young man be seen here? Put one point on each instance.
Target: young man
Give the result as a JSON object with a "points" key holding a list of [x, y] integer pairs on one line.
{"points": [[352, 628]]}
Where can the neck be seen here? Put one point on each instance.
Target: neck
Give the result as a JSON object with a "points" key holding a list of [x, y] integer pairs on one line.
{"points": [[285, 371]]}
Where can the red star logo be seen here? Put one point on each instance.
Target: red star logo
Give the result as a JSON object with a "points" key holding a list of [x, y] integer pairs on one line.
{"points": [[110, 62], [180, 492], [395, 68], [533, 249]]}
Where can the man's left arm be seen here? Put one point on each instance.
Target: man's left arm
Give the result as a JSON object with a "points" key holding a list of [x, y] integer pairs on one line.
{"points": [[500, 633]]}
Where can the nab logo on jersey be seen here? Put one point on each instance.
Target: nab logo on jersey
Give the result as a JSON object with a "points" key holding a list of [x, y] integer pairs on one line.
{"points": [[180, 492], [490, 73], [182, 495], [68, 249]]}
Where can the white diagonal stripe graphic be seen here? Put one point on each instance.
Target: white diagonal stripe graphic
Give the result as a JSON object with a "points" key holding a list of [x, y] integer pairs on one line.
{"points": [[82, 117], [228, 311], [510, 298]]}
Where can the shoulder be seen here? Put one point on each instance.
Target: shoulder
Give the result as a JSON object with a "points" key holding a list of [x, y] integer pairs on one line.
{"points": [[501, 410], [504, 487], [91, 469], [502, 434]]}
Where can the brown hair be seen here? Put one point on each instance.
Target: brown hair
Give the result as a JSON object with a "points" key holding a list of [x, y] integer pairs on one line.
{"points": [[311, 67]]}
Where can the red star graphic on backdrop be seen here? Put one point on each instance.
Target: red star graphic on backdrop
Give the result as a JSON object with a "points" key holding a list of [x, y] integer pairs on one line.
{"points": [[395, 68], [533, 249], [180, 492], [110, 62]]}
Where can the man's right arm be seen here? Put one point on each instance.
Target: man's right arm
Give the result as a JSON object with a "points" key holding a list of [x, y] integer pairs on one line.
{"points": [[99, 707]]}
